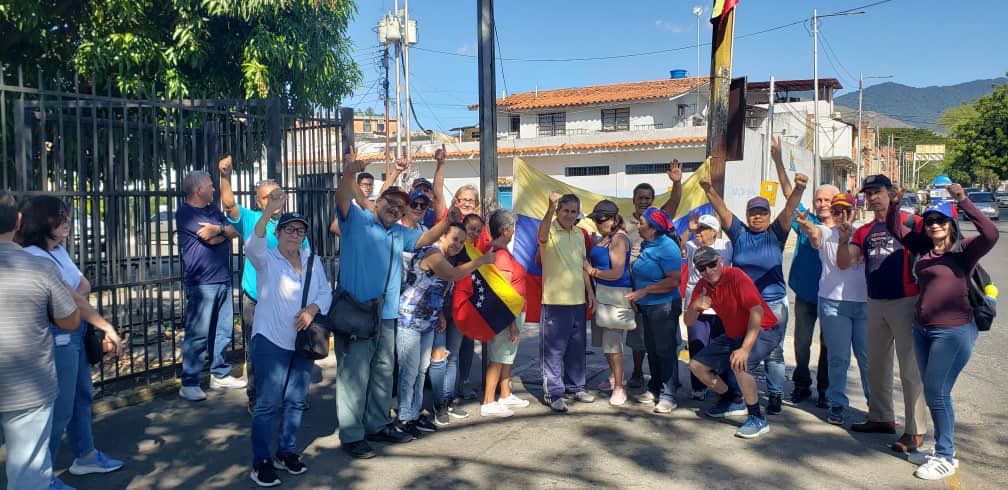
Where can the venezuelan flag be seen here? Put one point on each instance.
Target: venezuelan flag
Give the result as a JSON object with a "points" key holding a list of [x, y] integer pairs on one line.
{"points": [[484, 303], [531, 195]]}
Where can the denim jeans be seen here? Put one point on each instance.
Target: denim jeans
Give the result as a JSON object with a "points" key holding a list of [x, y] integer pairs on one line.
{"points": [[805, 319], [26, 434], [942, 353], [700, 334], [248, 306], [661, 339], [414, 350], [444, 373], [774, 364], [72, 409], [209, 323], [283, 382], [364, 382], [845, 326]]}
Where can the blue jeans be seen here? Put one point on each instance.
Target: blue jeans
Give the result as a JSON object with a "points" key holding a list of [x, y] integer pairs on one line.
{"points": [[661, 339], [444, 373], [844, 326], [942, 353], [26, 434], [281, 388], [774, 364], [72, 408], [414, 350], [363, 382], [209, 319]]}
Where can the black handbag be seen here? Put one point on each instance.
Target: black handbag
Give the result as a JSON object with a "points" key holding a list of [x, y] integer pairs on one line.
{"points": [[312, 342], [357, 320], [93, 348]]}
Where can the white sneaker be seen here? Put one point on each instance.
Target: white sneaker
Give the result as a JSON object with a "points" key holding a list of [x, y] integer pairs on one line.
{"points": [[936, 468], [192, 393], [512, 401], [494, 409], [226, 383], [921, 456]]}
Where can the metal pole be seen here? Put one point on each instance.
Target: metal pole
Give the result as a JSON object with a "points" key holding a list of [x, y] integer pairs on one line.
{"points": [[487, 106], [815, 85], [769, 132], [698, 11], [409, 106], [860, 96], [398, 87], [385, 84]]}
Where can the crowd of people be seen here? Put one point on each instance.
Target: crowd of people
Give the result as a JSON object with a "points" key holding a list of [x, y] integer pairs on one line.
{"points": [[898, 283]]}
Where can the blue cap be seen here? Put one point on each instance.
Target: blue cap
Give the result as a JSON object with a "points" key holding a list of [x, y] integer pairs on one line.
{"points": [[945, 208], [758, 202], [418, 194]]}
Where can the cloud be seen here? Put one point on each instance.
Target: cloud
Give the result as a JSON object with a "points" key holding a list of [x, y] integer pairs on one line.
{"points": [[670, 26], [467, 50]]}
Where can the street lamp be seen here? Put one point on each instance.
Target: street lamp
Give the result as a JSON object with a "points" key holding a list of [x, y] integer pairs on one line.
{"points": [[815, 68], [697, 11]]}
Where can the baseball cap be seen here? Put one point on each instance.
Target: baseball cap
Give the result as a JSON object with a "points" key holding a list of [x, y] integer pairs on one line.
{"points": [[708, 221], [604, 207], [877, 180], [397, 191], [757, 203], [293, 217], [704, 255], [417, 194], [842, 200], [419, 181], [945, 208]]}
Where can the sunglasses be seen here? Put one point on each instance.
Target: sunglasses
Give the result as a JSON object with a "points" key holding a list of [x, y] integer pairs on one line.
{"points": [[701, 268], [420, 205], [939, 220], [601, 219]]}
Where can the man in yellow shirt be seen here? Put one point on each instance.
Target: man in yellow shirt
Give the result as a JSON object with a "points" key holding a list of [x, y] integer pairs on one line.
{"points": [[567, 295]]}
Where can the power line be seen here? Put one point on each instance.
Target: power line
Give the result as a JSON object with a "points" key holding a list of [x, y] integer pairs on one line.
{"points": [[503, 78]]}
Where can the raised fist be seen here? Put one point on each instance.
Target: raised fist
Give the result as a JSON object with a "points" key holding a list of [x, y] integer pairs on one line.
{"points": [[225, 166], [800, 180], [439, 154], [957, 192]]}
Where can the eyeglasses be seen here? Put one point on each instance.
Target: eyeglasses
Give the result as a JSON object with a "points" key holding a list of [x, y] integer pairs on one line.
{"points": [[939, 220], [420, 205], [467, 201], [291, 230], [709, 265]]}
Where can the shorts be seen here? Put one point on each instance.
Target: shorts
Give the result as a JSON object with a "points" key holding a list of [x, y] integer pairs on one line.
{"points": [[717, 354], [609, 339], [501, 349], [635, 337]]}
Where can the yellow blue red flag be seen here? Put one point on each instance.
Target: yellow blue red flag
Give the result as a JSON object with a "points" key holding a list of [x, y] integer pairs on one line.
{"points": [[484, 303]]}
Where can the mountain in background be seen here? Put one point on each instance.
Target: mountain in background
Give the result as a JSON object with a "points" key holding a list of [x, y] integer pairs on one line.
{"points": [[918, 107]]}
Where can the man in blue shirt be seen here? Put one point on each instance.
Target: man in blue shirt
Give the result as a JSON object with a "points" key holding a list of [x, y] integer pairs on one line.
{"points": [[204, 239], [759, 252], [804, 281], [371, 250]]}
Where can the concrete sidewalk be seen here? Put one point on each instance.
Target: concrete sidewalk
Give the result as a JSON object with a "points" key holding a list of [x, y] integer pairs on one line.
{"points": [[169, 443]]}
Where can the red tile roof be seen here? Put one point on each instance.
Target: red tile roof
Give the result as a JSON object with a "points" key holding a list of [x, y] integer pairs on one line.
{"points": [[565, 147], [599, 94]]}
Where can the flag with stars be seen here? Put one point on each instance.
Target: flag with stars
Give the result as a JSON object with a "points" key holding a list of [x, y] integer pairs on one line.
{"points": [[484, 303]]}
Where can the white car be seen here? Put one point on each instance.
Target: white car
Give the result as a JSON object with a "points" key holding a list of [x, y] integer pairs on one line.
{"points": [[985, 201]]}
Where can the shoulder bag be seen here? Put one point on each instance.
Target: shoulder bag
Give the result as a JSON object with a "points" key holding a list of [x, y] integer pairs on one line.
{"points": [[357, 320], [312, 342], [612, 309]]}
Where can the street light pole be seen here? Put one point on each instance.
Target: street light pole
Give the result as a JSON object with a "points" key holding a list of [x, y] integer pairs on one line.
{"points": [[698, 11]]}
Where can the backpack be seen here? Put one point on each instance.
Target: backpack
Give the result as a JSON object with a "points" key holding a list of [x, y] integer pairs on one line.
{"points": [[984, 309]]}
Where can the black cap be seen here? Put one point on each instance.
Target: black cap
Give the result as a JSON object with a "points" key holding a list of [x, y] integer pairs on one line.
{"points": [[877, 180], [288, 218], [396, 190], [604, 207], [421, 181], [704, 255]]}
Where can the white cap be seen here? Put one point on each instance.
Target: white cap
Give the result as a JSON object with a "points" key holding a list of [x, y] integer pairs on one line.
{"points": [[710, 222]]}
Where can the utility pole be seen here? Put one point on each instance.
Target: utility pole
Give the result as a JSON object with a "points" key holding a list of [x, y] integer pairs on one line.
{"points": [[698, 11], [385, 84], [860, 97], [815, 108], [406, 43], [487, 105], [769, 132]]}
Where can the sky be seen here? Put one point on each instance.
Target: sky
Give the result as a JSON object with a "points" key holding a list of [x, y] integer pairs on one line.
{"points": [[918, 42]]}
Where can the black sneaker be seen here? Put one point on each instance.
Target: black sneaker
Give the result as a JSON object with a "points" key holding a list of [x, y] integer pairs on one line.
{"points": [[425, 424], [289, 462], [264, 475], [410, 428], [391, 434], [441, 416], [359, 450], [822, 402], [773, 405], [456, 411], [798, 396]]}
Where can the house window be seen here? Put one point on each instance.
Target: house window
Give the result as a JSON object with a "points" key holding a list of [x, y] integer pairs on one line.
{"points": [[552, 124], [686, 110], [616, 119], [367, 126], [475, 135], [586, 171], [658, 168], [515, 126], [381, 127]]}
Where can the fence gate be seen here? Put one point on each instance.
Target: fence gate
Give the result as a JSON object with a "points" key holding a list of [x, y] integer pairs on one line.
{"points": [[119, 162]]}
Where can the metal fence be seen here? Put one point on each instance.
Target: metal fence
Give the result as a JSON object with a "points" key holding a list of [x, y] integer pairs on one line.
{"points": [[118, 161]]}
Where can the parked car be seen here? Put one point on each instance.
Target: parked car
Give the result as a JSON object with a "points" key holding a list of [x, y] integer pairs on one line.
{"points": [[1002, 198], [985, 201], [910, 204]]}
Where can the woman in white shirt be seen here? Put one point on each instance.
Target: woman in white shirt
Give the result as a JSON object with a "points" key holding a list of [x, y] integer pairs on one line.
{"points": [[45, 225], [843, 304], [282, 376], [706, 230]]}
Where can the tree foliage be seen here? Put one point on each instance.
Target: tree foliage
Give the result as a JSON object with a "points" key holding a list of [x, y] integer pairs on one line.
{"points": [[978, 145], [294, 49]]}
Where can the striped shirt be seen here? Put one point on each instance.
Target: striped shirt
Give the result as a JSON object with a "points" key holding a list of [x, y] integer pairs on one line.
{"points": [[31, 291]]}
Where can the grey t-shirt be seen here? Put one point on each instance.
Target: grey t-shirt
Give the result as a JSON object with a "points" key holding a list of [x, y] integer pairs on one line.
{"points": [[31, 292]]}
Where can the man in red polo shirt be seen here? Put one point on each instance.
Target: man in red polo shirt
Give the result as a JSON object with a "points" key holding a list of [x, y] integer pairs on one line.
{"points": [[751, 335]]}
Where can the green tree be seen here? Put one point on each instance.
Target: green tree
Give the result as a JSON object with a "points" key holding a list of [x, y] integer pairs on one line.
{"points": [[978, 146], [295, 49]]}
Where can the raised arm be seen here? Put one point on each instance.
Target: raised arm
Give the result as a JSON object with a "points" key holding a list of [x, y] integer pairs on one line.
{"points": [[401, 166], [717, 203], [809, 228], [439, 203], [914, 240], [775, 155], [794, 198], [432, 235], [227, 197], [345, 190], [675, 195], [977, 246], [848, 254], [547, 221]]}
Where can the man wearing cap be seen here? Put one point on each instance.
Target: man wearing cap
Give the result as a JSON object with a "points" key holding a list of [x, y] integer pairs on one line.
{"points": [[892, 296], [843, 298], [803, 279], [372, 251], [751, 334], [204, 237], [759, 252], [706, 231]]}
